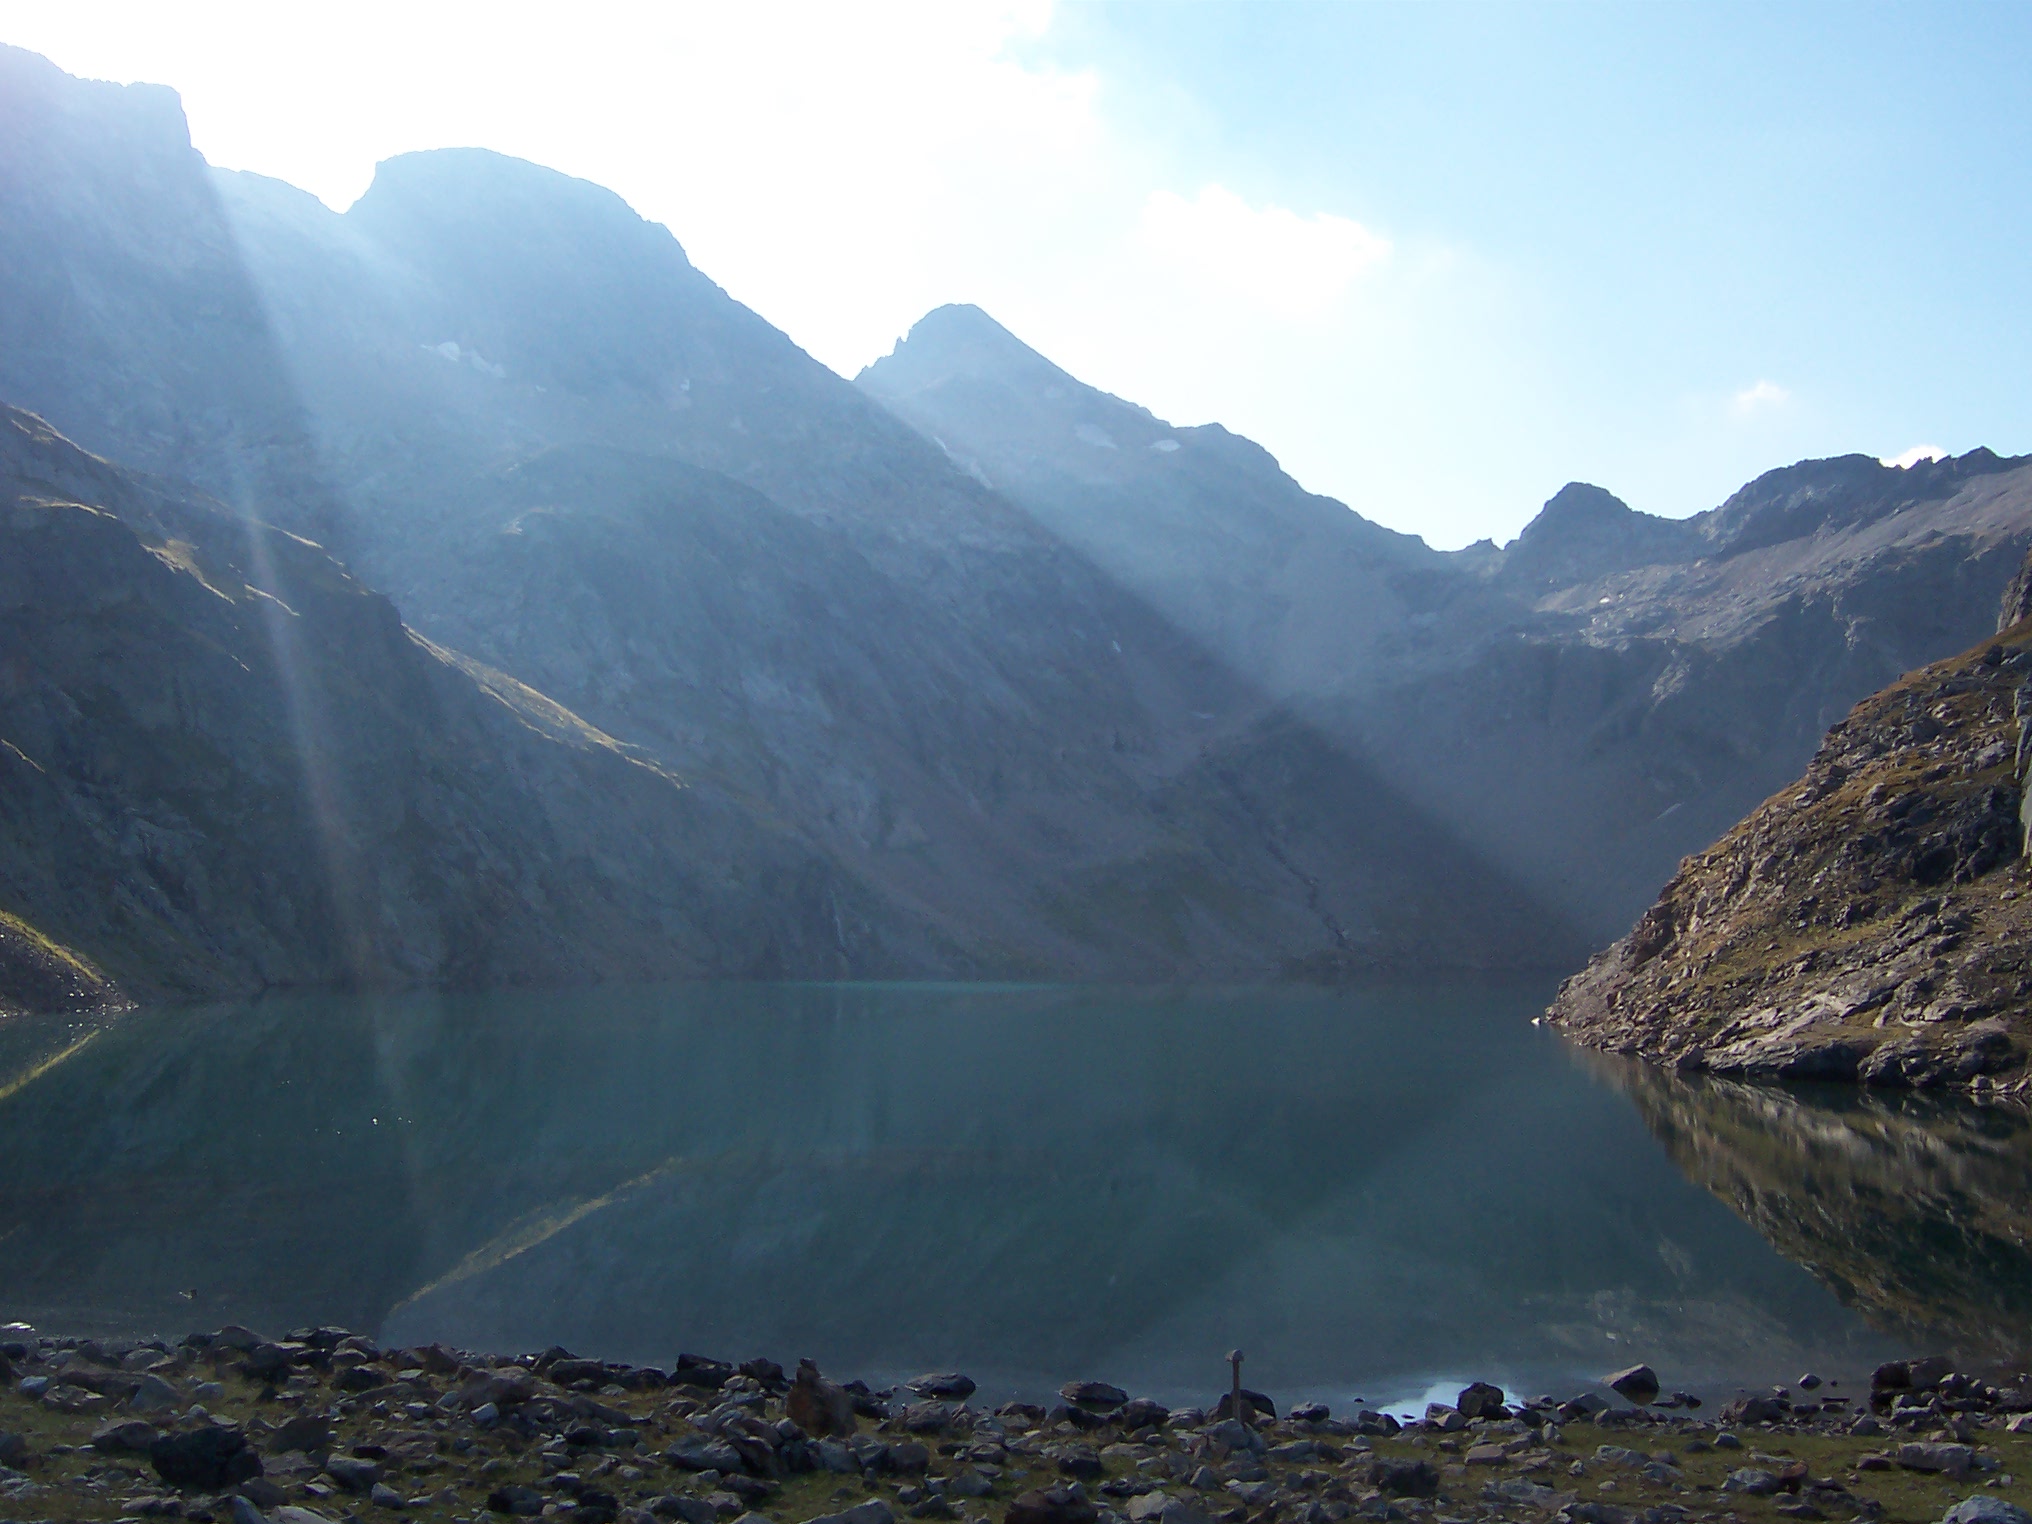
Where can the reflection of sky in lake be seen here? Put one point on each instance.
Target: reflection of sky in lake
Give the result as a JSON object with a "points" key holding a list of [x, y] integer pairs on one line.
{"points": [[1372, 1192]]}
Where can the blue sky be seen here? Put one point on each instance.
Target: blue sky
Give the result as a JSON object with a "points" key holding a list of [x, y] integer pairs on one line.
{"points": [[1440, 259]]}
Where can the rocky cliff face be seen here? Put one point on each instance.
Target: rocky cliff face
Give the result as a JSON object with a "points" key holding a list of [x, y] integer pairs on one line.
{"points": [[1869, 922], [228, 765]]}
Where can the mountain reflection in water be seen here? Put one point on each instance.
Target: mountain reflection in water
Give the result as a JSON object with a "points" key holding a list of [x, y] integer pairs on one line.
{"points": [[1914, 1209], [1365, 1190]]}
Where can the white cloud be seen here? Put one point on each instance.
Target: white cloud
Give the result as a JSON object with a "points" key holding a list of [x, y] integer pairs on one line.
{"points": [[1270, 256], [1905, 459], [1759, 397]]}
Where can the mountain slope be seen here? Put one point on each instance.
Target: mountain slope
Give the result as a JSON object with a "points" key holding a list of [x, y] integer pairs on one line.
{"points": [[1586, 705], [229, 766], [558, 447], [1869, 922]]}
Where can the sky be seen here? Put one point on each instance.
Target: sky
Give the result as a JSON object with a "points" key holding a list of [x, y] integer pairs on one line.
{"points": [[1440, 259]]}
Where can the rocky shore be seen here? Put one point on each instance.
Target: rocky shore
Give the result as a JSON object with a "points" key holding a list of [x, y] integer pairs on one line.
{"points": [[324, 1427], [1868, 923]]}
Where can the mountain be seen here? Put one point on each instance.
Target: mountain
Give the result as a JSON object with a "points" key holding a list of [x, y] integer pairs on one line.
{"points": [[229, 766], [1042, 685], [1868, 923], [499, 397], [1585, 705]]}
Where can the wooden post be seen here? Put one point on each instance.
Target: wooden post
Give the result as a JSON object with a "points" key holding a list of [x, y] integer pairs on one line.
{"points": [[1235, 1400]]}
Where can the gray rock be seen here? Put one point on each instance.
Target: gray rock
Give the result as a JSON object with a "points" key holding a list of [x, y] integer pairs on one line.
{"points": [[1478, 1399], [1149, 1506], [242, 1511], [207, 1459], [128, 1435], [1950, 1460], [1753, 1480], [153, 1395], [836, 1457], [518, 1501], [353, 1473], [1093, 1394], [696, 1453], [970, 1483], [1639, 1383], [1986, 1510], [1516, 1492], [295, 1515], [689, 1510], [928, 1417], [381, 1495]]}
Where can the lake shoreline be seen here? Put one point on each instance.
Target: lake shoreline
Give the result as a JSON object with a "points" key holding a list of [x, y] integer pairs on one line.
{"points": [[326, 1425]]}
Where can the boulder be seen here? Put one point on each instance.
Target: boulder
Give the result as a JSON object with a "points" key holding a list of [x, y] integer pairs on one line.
{"points": [[353, 1473], [1751, 1480], [1639, 1383], [152, 1394], [697, 1370], [1095, 1395], [1950, 1460], [209, 1459], [1986, 1510], [519, 1502], [1477, 1399], [1754, 1410], [1255, 1401], [928, 1417], [1142, 1413], [125, 1436], [820, 1407], [508, 1387], [1404, 1478], [305, 1432], [1052, 1505], [695, 1452]]}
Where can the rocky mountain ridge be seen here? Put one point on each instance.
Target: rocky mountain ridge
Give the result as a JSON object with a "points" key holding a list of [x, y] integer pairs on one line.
{"points": [[1586, 705], [1867, 923]]}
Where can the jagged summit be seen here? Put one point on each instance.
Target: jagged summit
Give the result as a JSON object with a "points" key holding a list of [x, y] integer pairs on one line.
{"points": [[480, 193], [1838, 492], [958, 339], [1585, 531]]}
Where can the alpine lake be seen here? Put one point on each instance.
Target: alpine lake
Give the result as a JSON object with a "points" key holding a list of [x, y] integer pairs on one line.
{"points": [[1375, 1193]]}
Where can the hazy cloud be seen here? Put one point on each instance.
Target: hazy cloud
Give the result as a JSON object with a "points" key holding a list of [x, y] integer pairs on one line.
{"points": [[1759, 397], [1297, 266]]}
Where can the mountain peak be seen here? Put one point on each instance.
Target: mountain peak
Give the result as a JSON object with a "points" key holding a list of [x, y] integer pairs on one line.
{"points": [[1583, 532], [954, 342]]}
